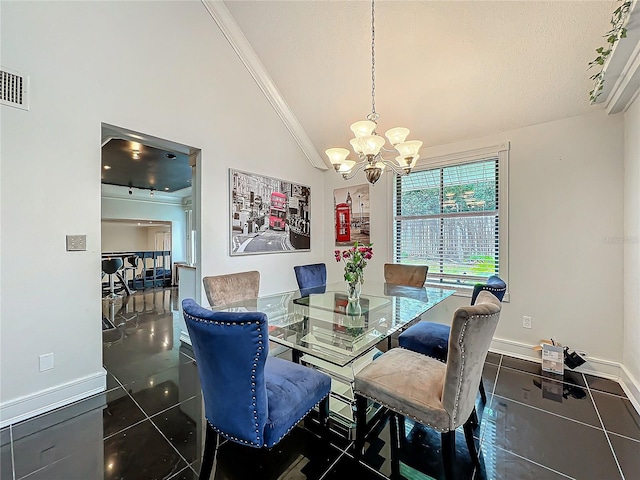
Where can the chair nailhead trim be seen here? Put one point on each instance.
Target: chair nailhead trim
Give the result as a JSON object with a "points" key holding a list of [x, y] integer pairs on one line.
{"points": [[459, 387], [397, 410], [291, 428], [463, 331]]}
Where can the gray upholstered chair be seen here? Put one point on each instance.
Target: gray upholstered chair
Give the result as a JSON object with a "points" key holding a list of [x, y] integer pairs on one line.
{"points": [[432, 338], [234, 287], [409, 275], [438, 395]]}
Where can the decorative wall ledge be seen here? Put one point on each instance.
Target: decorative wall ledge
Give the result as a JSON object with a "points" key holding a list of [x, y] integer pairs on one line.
{"points": [[622, 69]]}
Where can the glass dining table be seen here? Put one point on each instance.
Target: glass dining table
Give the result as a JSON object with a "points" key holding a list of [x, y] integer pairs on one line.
{"points": [[324, 330]]}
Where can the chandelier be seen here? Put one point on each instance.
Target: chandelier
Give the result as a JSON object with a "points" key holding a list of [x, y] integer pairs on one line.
{"points": [[368, 145]]}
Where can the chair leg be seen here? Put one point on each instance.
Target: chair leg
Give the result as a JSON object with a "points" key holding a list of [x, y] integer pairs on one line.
{"points": [[448, 453], [483, 395], [474, 418], [395, 445], [401, 429], [323, 413], [471, 445], [361, 425], [210, 449]]}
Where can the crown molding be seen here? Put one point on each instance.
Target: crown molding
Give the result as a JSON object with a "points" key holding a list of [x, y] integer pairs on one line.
{"points": [[622, 70], [230, 29]]}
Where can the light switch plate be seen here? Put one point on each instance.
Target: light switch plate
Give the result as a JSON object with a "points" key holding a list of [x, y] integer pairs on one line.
{"points": [[76, 243]]}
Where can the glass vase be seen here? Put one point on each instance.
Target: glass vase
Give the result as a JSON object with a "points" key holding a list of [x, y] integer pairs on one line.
{"points": [[353, 291]]}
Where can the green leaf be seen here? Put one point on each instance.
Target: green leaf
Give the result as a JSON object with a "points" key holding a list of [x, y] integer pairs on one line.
{"points": [[599, 50]]}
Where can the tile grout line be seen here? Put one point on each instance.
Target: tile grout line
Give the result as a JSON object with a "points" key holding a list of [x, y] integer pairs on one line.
{"points": [[495, 382], [548, 412], [625, 437], [535, 463], [493, 395], [13, 459], [615, 457], [172, 445], [333, 464], [147, 417], [526, 372]]}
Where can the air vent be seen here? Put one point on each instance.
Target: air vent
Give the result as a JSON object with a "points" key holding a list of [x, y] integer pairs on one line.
{"points": [[14, 89]]}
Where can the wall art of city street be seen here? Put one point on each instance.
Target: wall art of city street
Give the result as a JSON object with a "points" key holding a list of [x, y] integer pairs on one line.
{"points": [[268, 215]]}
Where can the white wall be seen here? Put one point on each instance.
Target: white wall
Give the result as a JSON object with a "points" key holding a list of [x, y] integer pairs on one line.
{"points": [[94, 62], [565, 220], [631, 348], [134, 209], [120, 237]]}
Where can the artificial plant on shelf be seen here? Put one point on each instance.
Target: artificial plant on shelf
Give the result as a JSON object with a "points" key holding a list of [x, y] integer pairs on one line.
{"points": [[355, 261], [618, 20]]}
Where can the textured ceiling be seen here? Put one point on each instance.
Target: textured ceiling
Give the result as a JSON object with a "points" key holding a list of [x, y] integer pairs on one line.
{"points": [[447, 70]]}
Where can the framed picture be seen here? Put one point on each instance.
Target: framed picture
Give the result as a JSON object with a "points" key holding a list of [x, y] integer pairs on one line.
{"points": [[351, 215], [268, 215]]}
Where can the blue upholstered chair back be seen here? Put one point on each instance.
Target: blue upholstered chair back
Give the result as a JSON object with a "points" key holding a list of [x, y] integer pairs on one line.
{"points": [[494, 284], [231, 350], [311, 278]]}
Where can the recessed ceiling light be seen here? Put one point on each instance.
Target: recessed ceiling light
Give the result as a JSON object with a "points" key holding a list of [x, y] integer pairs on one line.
{"points": [[170, 156], [107, 167]]}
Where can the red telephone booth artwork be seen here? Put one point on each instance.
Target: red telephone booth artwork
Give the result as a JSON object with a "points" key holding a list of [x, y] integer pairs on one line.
{"points": [[343, 223]]}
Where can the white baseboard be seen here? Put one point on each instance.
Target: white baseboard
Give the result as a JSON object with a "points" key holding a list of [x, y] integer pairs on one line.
{"points": [[593, 366], [22, 408], [631, 387]]}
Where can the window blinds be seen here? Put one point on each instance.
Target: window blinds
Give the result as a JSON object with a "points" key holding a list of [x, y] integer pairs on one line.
{"points": [[447, 218]]}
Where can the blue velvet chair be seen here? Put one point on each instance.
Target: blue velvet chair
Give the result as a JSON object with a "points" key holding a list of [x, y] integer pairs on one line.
{"points": [[249, 398], [432, 339], [311, 278]]}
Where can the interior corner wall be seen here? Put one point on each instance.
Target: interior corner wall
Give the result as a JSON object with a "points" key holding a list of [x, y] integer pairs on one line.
{"points": [[631, 347], [95, 62], [565, 233]]}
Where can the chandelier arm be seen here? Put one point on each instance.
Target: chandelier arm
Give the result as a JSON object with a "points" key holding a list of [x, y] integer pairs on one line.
{"points": [[394, 167], [354, 171]]}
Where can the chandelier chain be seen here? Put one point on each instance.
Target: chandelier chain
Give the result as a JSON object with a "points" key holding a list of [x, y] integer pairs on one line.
{"points": [[373, 60]]}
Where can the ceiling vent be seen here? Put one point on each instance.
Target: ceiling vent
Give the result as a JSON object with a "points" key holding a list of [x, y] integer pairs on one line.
{"points": [[14, 89]]}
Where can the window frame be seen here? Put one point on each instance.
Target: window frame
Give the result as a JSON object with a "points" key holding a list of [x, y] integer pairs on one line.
{"points": [[501, 151]]}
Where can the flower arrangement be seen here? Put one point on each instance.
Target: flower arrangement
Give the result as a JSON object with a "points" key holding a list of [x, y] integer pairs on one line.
{"points": [[355, 260]]}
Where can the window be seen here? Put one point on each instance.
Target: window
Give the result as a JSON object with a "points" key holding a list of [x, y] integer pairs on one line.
{"points": [[451, 216]]}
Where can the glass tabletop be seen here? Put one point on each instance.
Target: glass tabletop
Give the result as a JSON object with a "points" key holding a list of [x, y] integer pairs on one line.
{"points": [[326, 325]]}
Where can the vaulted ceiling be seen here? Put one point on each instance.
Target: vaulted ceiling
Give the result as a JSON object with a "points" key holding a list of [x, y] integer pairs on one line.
{"points": [[447, 70]]}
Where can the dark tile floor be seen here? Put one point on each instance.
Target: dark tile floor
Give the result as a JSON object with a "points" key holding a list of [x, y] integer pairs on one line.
{"points": [[148, 424]]}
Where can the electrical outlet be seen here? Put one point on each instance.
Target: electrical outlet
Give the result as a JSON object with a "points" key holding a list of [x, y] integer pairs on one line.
{"points": [[526, 322], [46, 362]]}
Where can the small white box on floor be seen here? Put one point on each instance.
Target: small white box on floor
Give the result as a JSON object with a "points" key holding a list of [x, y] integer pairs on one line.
{"points": [[552, 358]]}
